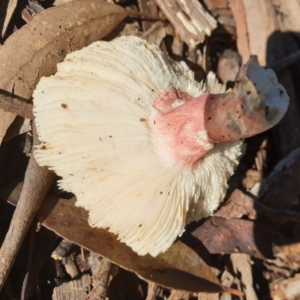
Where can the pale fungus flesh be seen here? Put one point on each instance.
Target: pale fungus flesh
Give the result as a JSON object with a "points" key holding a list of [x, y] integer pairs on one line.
{"points": [[127, 130]]}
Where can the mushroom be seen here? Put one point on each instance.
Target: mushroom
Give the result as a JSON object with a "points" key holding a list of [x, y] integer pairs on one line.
{"points": [[144, 147]]}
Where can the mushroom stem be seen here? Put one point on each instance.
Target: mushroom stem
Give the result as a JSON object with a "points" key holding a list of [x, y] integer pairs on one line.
{"points": [[255, 104]]}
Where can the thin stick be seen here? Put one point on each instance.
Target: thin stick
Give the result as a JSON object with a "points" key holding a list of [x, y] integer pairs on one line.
{"points": [[36, 185], [15, 105]]}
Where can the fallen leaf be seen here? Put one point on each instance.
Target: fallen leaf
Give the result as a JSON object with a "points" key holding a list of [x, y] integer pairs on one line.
{"points": [[46, 40], [178, 268], [229, 236]]}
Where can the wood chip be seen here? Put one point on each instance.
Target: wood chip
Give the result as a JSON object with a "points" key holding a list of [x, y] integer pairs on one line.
{"points": [[189, 18]]}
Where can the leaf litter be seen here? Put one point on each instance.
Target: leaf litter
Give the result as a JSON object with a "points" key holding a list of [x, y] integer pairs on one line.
{"points": [[40, 49]]}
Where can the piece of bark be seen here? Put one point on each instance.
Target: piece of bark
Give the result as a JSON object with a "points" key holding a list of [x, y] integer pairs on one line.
{"points": [[286, 289], [204, 296], [153, 290], [101, 275], [178, 295], [238, 11], [242, 267], [150, 8], [264, 39], [15, 105], [62, 249], [260, 30], [28, 14], [237, 206], [73, 290], [70, 266], [189, 19], [216, 4], [157, 32]]}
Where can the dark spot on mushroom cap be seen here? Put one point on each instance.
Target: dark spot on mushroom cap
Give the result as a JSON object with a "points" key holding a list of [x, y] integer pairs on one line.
{"points": [[140, 225], [43, 147], [161, 193], [64, 105], [142, 120], [209, 118], [110, 136], [248, 92], [280, 92]]}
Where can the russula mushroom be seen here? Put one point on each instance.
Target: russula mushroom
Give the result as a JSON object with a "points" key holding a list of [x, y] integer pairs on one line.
{"points": [[144, 147]]}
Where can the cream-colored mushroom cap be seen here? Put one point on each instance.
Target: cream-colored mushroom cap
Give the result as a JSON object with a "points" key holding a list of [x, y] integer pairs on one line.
{"points": [[117, 123]]}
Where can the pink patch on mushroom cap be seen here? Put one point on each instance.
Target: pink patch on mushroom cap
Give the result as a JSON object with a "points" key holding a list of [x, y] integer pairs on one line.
{"points": [[178, 128]]}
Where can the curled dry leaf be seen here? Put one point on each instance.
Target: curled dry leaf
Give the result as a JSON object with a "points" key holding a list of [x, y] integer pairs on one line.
{"points": [[179, 268], [47, 39]]}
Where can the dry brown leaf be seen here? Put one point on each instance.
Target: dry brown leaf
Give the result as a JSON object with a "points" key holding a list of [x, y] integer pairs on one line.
{"points": [[178, 268], [229, 236], [46, 40]]}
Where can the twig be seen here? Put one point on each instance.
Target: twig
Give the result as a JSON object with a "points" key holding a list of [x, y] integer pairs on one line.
{"points": [[36, 185], [15, 105]]}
